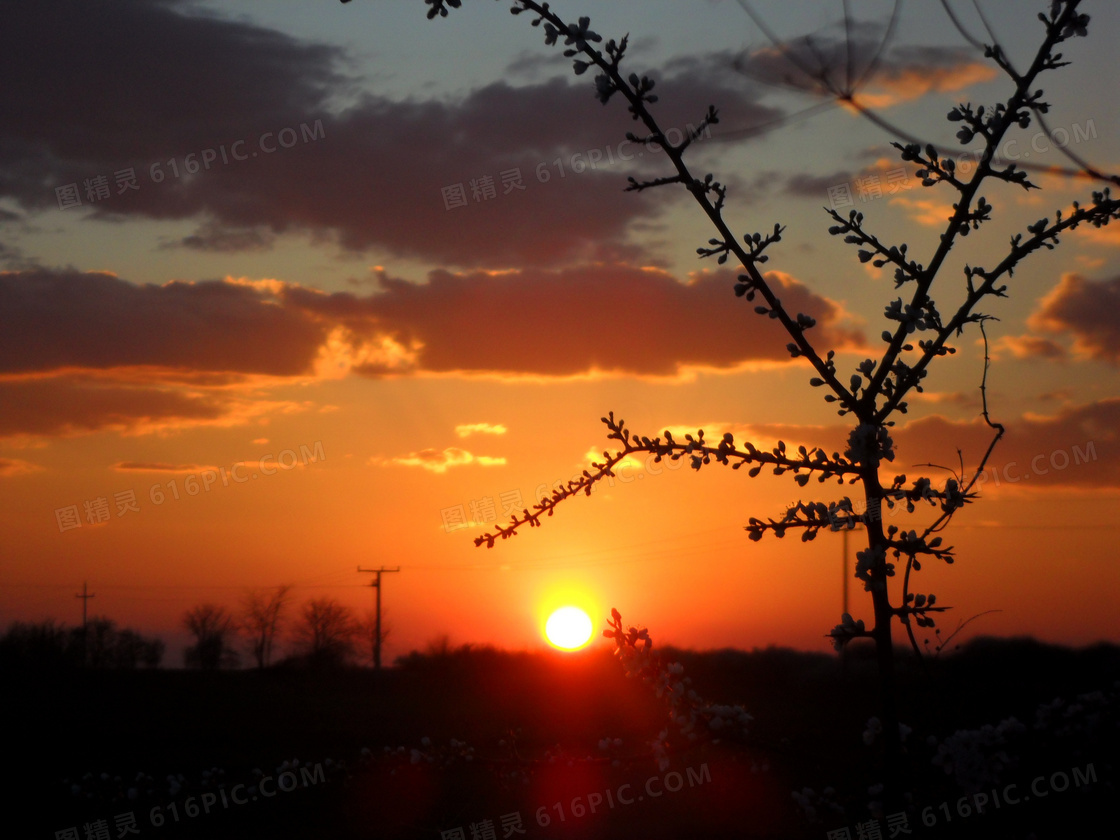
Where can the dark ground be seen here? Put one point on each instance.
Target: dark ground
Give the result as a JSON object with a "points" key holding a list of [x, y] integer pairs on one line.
{"points": [[808, 721]]}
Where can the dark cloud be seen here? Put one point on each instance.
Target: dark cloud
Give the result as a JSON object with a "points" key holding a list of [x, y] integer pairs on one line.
{"points": [[87, 351], [96, 86], [51, 320], [535, 65], [816, 186], [1089, 310], [882, 74], [66, 406], [370, 176], [13, 259], [880, 179], [217, 239], [207, 334], [1077, 447], [617, 319]]}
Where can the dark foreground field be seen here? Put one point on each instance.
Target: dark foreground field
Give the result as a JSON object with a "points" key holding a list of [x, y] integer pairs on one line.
{"points": [[497, 745]]}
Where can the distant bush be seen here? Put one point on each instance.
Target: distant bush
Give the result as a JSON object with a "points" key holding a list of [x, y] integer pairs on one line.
{"points": [[441, 653]]}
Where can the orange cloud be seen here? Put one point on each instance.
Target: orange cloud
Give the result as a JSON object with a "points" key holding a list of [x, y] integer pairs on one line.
{"points": [[1089, 310], [440, 461], [905, 84], [1108, 236], [156, 466], [966, 399], [924, 211], [1029, 347], [467, 429], [12, 467]]}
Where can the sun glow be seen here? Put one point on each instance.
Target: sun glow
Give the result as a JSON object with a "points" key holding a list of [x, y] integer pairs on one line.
{"points": [[568, 628]]}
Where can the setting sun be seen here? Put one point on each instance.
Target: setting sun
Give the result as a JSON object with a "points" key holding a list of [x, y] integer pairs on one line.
{"points": [[568, 628]]}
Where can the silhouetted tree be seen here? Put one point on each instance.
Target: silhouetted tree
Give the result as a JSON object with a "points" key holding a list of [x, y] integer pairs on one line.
{"points": [[101, 637], [213, 629], [128, 650], [261, 618], [327, 632], [917, 333]]}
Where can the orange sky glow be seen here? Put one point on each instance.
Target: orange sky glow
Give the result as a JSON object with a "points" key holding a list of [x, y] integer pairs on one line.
{"points": [[282, 367]]}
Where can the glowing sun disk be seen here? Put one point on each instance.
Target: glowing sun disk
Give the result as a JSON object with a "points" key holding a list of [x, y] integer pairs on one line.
{"points": [[568, 628]]}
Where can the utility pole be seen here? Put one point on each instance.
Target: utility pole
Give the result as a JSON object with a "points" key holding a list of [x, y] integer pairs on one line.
{"points": [[376, 584], [85, 596]]}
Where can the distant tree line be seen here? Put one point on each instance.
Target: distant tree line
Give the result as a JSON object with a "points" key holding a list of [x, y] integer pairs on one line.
{"points": [[100, 644], [324, 633]]}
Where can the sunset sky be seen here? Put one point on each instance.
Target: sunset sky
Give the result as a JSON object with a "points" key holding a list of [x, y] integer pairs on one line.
{"points": [[351, 270]]}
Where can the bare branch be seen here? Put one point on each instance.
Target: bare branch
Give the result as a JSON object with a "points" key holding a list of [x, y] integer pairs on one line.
{"points": [[726, 452]]}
